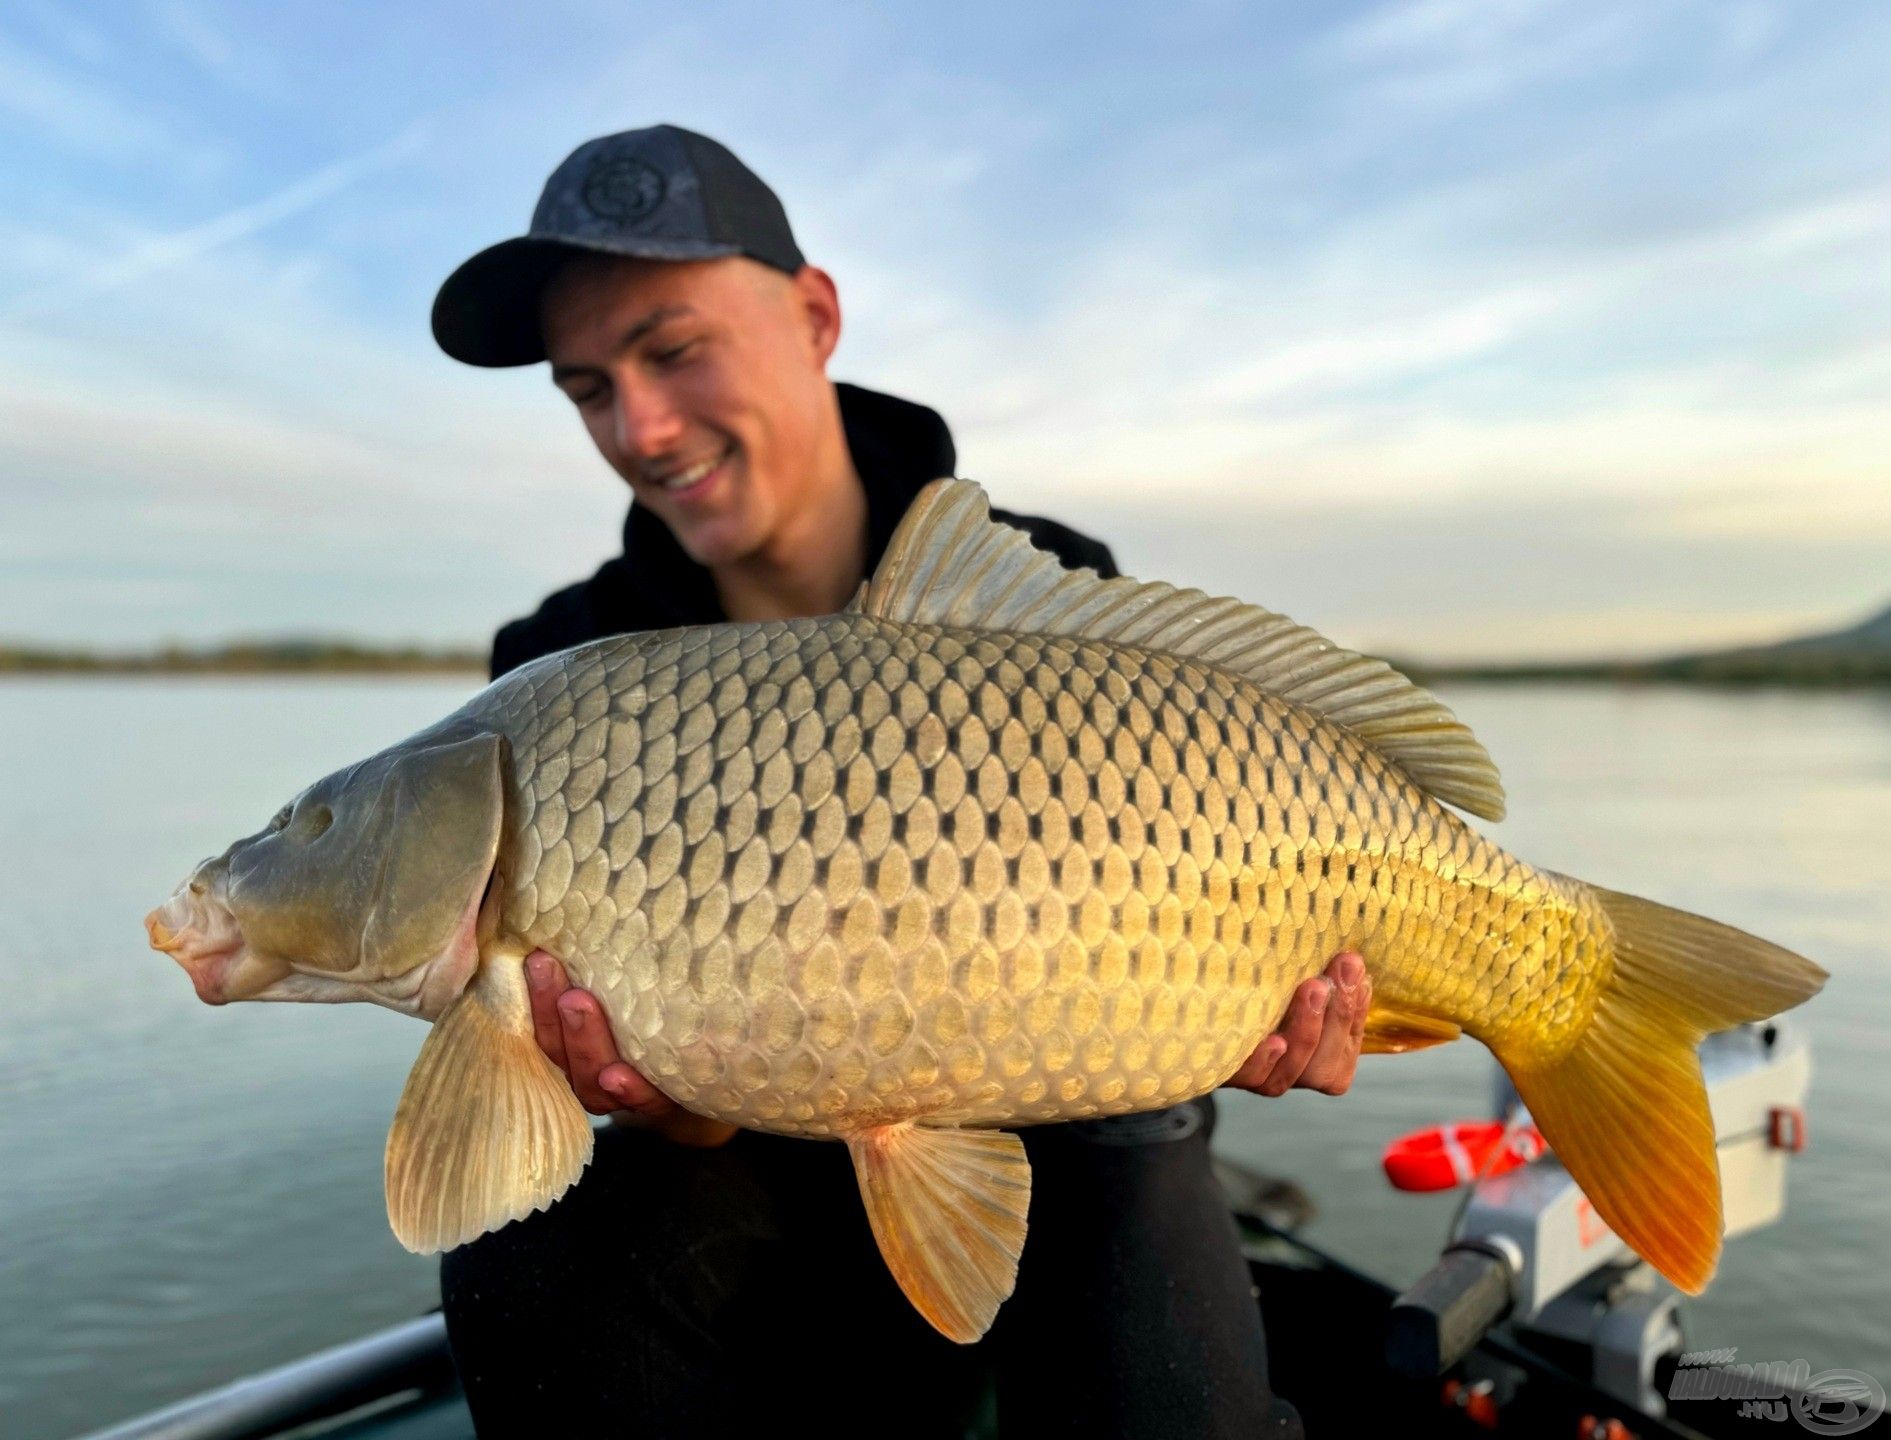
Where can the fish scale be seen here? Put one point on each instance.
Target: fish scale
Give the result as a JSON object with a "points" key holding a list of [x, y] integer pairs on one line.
{"points": [[841, 872]]}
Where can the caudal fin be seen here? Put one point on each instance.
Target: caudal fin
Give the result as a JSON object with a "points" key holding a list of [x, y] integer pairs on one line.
{"points": [[1625, 1108]]}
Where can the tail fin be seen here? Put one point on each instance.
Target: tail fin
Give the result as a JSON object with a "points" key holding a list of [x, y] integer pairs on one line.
{"points": [[1625, 1109]]}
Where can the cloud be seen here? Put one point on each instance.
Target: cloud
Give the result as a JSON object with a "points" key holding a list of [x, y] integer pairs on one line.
{"points": [[71, 33], [1221, 376], [1349, 360], [1433, 26], [246, 221], [1434, 56], [1494, 575], [63, 109], [235, 455], [193, 33]]}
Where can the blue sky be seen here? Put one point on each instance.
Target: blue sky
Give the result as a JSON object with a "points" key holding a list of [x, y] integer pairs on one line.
{"points": [[1454, 327]]}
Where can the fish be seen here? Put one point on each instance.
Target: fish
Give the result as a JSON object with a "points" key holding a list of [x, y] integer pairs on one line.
{"points": [[1001, 844]]}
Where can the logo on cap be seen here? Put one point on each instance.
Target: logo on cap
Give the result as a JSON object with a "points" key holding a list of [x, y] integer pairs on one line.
{"points": [[618, 187]]}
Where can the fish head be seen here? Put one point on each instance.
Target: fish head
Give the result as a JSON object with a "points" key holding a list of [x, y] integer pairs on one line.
{"points": [[366, 886]]}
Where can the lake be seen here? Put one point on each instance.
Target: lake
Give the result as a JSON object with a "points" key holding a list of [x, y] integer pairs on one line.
{"points": [[188, 1195]]}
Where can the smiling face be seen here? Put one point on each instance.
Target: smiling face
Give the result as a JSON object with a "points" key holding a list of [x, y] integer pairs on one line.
{"points": [[704, 384]]}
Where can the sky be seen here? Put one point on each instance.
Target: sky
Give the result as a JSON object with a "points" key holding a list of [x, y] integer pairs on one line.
{"points": [[1456, 328]]}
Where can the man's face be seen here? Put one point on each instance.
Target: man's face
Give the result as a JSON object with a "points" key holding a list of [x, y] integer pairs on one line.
{"points": [[703, 383]]}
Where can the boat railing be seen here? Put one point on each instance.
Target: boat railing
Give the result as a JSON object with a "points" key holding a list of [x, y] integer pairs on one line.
{"points": [[402, 1360]]}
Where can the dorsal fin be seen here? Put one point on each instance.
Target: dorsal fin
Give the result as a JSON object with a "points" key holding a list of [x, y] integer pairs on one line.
{"points": [[950, 563]]}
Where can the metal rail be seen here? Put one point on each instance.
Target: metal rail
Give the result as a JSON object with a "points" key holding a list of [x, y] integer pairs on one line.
{"points": [[411, 1356]]}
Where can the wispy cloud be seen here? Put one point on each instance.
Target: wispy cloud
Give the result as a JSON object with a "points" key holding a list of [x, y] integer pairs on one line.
{"points": [[78, 37], [246, 221], [1211, 375], [195, 35], [1361, 358], [1454, 29], [1443, 55], [56, 105]]}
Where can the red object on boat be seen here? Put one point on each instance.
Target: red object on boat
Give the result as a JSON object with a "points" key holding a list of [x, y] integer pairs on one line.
{"points": [[1478, 1401], [1786, 1128], [1445, 1156]]}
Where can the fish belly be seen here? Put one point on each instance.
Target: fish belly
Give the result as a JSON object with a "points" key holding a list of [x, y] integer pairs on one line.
{"points": [[833, 873]]}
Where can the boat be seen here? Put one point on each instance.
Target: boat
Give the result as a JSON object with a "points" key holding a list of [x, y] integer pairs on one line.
{"points": [[1535, 1322]]}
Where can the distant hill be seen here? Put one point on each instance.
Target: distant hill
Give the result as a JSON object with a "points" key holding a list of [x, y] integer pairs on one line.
{"points": [[1857, 655], [1867, 637]]}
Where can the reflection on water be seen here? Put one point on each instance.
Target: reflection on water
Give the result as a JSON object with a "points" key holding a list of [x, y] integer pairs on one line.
{"points": [[187, 1195]]}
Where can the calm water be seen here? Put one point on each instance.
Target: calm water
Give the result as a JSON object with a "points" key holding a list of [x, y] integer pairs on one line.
{"points": [[187, 1195]]}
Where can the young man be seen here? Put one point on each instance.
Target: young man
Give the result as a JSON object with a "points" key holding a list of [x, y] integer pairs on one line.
{"points": [[699, 1279]]}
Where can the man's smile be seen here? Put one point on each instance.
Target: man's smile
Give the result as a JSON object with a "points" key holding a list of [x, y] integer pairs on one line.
{"points": [[693, 480]]}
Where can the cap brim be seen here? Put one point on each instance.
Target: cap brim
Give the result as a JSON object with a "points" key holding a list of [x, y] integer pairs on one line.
{"points": [[487, 311]]}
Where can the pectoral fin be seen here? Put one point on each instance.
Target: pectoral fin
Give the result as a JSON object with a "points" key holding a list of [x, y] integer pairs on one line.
{"points": [[948, 1208], [487, 1129], [1392, 1031]]}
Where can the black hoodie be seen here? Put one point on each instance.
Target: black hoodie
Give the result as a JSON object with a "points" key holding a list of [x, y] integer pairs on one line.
{"points": [[897, 447]]}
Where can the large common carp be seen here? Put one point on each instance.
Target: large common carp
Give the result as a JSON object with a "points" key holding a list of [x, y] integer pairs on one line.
{"points": [[1001, 844]]}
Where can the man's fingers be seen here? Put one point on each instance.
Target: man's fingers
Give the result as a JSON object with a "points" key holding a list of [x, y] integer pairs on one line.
{"points": [[1306, 1017], [631, 1091], [1258, 1066], [589, 1047], [1330, 1068], [1360, 1011], [544, 983]]}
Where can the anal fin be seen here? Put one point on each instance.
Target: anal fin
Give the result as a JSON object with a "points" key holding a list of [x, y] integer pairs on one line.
{"points": [[487, 1129], [948, 1208], [1392, 1031]]}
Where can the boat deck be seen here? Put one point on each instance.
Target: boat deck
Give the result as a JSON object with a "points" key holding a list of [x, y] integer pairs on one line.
{"points": [[1324, 1322]]}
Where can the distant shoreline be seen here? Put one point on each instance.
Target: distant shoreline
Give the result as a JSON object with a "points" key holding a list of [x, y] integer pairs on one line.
{"points": [[289, 658], [1785, 669], [1723, 672]]}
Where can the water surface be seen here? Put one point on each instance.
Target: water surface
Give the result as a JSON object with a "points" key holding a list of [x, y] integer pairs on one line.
{"points": [[187, 1195]]}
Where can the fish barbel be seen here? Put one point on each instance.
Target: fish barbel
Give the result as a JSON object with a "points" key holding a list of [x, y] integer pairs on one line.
{"points": [[1000, 845]]}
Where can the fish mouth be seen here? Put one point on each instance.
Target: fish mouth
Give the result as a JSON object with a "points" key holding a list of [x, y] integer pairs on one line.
{"points": [[196, 929], [208, 965]]}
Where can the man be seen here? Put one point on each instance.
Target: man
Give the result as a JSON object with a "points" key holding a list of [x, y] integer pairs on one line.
{"points": [[699, 1279]]}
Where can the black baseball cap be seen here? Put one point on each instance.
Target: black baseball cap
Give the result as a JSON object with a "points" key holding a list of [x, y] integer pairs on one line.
{"points": [[664, 193]]}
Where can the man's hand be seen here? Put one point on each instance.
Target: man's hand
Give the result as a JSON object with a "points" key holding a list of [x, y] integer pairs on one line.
{"points": [[1317, 1045], [571, 1030]]}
